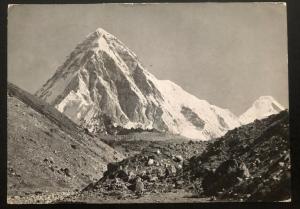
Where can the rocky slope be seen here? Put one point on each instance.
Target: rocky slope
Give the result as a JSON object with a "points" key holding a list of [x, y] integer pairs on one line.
{"points": [[263, 107], [250, 163], [159, 165], [47, 152], [102, 80]]}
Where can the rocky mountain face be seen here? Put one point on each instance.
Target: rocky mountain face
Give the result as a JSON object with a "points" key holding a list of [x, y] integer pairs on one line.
{"points": [[263, 107], [102, 83], [47, 152]]}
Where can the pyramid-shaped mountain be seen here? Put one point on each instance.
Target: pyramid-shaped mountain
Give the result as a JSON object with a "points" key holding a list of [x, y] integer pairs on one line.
{"points": [[104, 80]]}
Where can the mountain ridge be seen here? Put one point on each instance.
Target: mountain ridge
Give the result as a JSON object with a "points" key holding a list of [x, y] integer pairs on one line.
{"points": [[103, 78]]}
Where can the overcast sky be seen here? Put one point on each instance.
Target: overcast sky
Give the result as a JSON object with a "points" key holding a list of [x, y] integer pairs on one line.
{"points": [[226, 53]]}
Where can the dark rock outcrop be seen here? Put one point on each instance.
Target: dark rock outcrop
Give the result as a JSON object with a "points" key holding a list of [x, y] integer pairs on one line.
{"points": [[250, 163]]}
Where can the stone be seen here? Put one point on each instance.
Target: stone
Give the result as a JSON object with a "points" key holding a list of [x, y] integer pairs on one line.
{"points": [[244, 171], [131, 175], [67, 172], [228, 174], [139, 186], [178, 158], [173, 169], [257, 161], [287, 157], [111, 167], [150, 161], [227, 168], [153, 179], [239, 179], [213, 198], [179, 183]]}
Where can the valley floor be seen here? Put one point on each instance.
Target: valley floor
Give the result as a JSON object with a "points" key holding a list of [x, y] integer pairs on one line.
{"points": [[176, 196]]}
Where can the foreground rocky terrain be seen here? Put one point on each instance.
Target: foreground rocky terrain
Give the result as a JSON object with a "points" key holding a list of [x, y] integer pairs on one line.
{"points": [[250, 163], [47, 152]]}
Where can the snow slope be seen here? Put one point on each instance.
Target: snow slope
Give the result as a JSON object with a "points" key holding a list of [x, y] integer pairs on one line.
{"points": [[102, 77], [263, 107]]}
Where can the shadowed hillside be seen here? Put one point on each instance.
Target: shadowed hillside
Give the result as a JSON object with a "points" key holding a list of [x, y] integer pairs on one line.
{"points": [[47, 152]]}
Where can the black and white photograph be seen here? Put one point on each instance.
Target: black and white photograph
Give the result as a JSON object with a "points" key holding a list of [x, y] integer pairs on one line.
{"points": [[147, 103]]}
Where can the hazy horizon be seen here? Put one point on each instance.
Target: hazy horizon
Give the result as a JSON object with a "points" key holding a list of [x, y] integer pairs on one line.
{"points": [[226, 53]]}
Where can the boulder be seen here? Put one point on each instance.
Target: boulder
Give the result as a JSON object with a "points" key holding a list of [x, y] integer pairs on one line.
{"points": [[228, 174], [112, 167], [131, 175], [178, 158], [150, 161], [243, 171], [179, 166], [257, 161], [179, 184], [122, 175], [153, 179], [66, 171], [208, 182], [139, 186], [227, 168], [173, 169], [170, 170]]}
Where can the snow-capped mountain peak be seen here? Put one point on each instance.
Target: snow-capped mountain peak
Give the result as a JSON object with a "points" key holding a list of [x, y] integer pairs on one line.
{"points": [[103, 79], [263, 107], [102, 31]]}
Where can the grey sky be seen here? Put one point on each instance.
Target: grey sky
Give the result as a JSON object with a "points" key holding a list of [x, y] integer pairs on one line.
{"points": [[226, 53]]}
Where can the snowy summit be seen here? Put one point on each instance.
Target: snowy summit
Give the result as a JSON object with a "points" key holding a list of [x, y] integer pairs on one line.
{"points": [[263, 107], [102, 78]]}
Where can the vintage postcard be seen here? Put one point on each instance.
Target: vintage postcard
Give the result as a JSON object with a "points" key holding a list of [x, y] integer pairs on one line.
{"points": [[148, 103]]}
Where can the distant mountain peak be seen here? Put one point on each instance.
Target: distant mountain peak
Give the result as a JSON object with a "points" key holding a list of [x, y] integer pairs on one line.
{"points": [[101, 31], [261, 108], [102, 78]]}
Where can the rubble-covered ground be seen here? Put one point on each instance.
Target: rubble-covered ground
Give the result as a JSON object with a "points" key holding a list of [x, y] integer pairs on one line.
{"points": [[132, 144], [250, 163], [159, 165]]}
